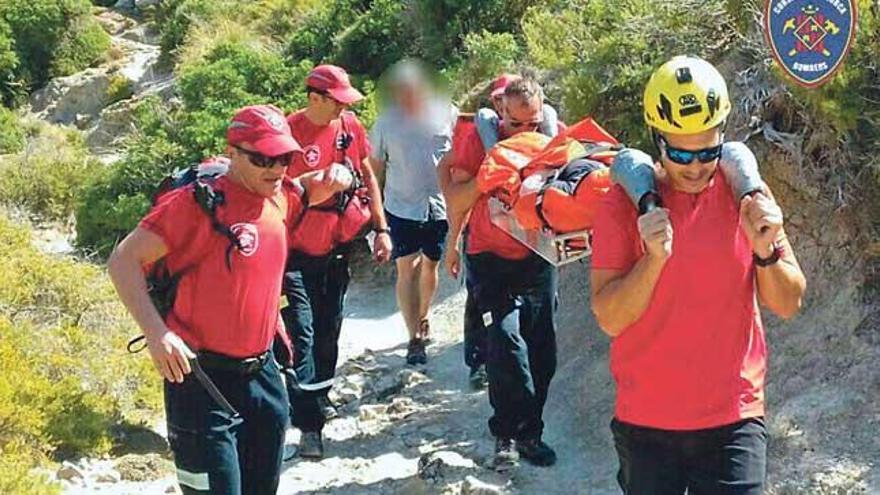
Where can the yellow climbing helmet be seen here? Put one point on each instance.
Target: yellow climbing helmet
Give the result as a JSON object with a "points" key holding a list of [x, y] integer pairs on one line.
{"points": [[686, 95]]}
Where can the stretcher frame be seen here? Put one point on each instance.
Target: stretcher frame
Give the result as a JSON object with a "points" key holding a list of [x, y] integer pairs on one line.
{"points": [[556, 249]]}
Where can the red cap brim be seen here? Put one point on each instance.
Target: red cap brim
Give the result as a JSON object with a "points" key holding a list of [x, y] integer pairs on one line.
{"points": [[347, 95], [497, 92], [276, 145]]}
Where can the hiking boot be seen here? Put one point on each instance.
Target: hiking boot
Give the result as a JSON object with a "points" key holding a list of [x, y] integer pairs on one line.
{"points": [[536, 452], [425, 331], [328, 410], [311, 446], [415, 352], [506, 456], [478, 378]]}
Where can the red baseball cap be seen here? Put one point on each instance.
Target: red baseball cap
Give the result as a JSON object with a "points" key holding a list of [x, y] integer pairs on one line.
{"points": [[264, 128], [500, 83], [334, 81]]}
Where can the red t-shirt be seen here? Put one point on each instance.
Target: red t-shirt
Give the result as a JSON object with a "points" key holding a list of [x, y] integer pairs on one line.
{"points": [[697, 356], [319, 142], [483, 235], [232, 312], [319, 152]]}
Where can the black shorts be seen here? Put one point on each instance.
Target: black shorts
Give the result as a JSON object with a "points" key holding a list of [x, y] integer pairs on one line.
{"points": [[412, 236]]}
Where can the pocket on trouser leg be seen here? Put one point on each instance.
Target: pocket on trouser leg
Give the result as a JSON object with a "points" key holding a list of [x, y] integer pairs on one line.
{"points": [[190, 459]]}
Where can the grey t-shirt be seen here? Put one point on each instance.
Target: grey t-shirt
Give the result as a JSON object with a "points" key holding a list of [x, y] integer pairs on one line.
{"points": [[411, 149]]}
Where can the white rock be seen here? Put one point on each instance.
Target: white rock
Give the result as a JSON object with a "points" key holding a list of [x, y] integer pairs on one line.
{"points": [[443, 464], [473, 486], [69, 472], [108, 476], [146, 3], [410, 377], [372, 412]]}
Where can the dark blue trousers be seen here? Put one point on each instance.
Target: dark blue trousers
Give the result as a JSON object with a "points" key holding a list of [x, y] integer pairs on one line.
{"points": [[517, 303], [727, 460], [217, 454], [315, 288], [475, 340]]}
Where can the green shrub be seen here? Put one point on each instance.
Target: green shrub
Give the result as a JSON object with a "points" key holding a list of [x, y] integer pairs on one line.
{"points": [[12, 138], [10, 89], [51, 38], [375, 39], [486, 55], [15, 475], [443, 24], [64, 396], [47, 178], [603, 52], [119, 88], [175, 17], [84, 44]]}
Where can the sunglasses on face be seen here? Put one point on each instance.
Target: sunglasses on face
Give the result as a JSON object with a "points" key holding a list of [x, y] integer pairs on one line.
{"points": [[263, 161], [686, 157]]}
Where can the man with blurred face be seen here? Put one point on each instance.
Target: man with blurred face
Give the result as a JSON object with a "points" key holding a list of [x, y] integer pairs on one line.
{"points": [[225, 313], [515, 293], [317, 274], [409, 139]]}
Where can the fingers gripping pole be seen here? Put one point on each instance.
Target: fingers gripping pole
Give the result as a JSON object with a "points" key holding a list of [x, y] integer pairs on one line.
{"points": [[634, 171]]}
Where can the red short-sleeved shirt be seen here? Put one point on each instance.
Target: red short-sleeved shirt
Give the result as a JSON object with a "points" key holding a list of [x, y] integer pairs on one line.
{"points": [[483, 235], [319, 152], [319, 142], [232, 312], [697, 356]]}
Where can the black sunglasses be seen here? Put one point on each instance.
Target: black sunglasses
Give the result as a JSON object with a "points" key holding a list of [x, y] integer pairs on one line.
{"points": [[262, 161], [686, 157]]}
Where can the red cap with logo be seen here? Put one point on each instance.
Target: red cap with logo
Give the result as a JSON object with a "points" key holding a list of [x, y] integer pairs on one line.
{"points": [[264, 128], [500, 83], [334, 81]]}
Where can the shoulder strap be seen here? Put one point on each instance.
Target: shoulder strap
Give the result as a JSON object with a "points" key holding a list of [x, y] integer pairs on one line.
{"points": [[209, 200]]}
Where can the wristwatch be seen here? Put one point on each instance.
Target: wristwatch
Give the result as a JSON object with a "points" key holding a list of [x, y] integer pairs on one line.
{"points": [[384, 230], [772, 259]]}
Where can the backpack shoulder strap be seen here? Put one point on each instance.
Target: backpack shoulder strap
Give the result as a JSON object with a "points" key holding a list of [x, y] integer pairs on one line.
{"points": [[209, 199]]}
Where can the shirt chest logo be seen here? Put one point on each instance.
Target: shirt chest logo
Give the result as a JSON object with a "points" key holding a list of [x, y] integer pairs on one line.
{"points": [[248, 238], [312, 155]]}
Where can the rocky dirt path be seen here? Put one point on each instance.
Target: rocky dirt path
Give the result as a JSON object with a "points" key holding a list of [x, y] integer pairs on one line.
{"points": [[400, 429]]}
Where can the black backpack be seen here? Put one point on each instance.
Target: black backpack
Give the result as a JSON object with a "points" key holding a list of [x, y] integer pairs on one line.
{"points": [[161, 283]]}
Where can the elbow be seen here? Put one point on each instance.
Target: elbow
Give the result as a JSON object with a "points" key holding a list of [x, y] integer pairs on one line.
{"points": [[789, 310], [115, 263], [607, 324]]}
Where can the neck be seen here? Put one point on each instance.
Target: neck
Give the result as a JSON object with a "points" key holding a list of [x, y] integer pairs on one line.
{"points": [[235, 177], [316, 118]]}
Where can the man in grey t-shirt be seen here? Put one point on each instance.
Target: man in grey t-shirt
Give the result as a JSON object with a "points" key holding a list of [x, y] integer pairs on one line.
{"points": [[409, 138]]}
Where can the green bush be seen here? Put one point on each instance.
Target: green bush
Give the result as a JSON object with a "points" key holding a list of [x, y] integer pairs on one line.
{"points": [[443, 24], [486, 55], [69, 394], [12, 138], [603, 52], [10, 89], [51, 38], [119, 88], [48, 177], [84, 44]]}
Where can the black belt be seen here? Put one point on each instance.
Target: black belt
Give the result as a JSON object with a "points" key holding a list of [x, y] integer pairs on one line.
{"points": [[241, 366]]}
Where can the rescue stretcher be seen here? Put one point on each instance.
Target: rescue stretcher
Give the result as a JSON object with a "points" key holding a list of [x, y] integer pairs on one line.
{"points": [[557, 249]]}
